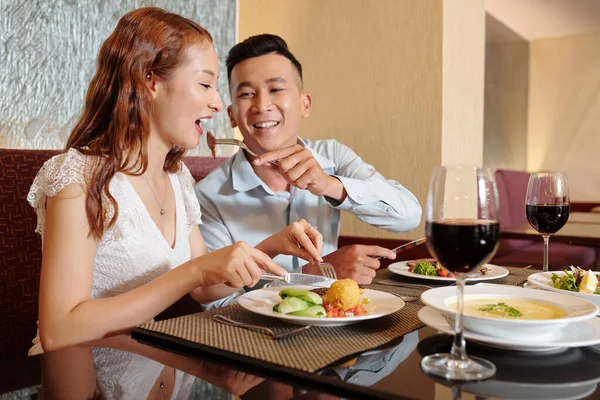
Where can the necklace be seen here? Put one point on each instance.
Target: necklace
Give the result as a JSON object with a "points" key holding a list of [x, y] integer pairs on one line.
{"points": [[162, 209]]}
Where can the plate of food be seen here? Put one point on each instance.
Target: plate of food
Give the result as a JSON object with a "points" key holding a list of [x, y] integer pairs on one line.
{"points": [[511, 312], [574, 281], [342, 303], [430, 269], [578, 334]]}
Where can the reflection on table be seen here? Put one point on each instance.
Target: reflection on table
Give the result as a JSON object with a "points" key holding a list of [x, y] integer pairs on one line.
{"points": [[567, 373], [125, 369]]}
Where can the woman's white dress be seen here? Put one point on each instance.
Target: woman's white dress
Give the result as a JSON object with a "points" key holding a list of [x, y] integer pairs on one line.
{"points": [[129, 254]]}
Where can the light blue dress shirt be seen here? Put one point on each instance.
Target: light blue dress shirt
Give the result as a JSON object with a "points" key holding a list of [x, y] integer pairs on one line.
{"points": [[238, 206]]}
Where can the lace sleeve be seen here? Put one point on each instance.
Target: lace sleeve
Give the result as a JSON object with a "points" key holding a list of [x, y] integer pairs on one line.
{"points": [[192, 205], [56, 173]]}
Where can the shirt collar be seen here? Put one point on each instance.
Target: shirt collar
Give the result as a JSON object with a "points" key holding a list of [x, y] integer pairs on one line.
{"points": [[242, 175], [244, 178]]}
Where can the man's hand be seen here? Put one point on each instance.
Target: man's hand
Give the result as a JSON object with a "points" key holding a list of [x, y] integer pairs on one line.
{"points": [[357, 262], [299, 168]]}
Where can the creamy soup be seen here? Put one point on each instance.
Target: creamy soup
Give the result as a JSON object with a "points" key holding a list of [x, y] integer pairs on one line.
{"points": [[511, 309]]}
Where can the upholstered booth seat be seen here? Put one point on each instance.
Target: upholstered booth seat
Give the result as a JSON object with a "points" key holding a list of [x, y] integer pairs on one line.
{"points": [[21, 252], [560, 256]]}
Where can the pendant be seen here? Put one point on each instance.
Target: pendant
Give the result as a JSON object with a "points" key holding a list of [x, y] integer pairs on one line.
{"points": [[163, 211]]}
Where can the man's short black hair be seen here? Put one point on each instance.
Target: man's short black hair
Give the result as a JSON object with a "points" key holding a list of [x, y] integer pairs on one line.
{"points": [[259, 45]]}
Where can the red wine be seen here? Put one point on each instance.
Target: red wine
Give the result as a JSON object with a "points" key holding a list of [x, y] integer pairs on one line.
{"points": [[547, 219], [462, 245]]}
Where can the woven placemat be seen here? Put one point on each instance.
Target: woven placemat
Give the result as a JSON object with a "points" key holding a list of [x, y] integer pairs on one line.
{"points": [[311, 350], [308, 351]]}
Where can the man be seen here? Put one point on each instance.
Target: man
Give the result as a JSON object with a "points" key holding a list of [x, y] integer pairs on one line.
{"points": [[249, 198]]}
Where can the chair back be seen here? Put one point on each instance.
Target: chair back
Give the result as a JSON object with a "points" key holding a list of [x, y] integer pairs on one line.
{"points": [[512, 190], [20, 251]]}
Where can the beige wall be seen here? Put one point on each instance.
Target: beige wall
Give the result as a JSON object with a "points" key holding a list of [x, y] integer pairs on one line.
{"points": [[564, 111], [374, 69], [506, 97], [462, 81]]}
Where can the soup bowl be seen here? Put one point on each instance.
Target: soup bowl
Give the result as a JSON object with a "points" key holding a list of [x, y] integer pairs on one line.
{"points": [[553, 311]]}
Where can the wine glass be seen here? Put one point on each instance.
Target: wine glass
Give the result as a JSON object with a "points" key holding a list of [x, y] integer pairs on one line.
{"points": [[462, 232], [547, 205]]}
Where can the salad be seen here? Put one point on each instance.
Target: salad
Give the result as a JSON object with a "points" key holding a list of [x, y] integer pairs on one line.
{"points": [[577, 280], [429, 267]]}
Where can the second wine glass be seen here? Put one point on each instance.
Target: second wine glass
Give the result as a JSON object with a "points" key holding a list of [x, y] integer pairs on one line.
{"points": [[547, 205], [462, 233]]}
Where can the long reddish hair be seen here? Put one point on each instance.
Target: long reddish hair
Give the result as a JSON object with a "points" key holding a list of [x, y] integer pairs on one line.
{"points": [[114, 126]]}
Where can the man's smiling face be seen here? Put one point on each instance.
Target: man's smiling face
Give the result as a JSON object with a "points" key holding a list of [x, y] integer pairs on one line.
{"points": [[267, 102]]}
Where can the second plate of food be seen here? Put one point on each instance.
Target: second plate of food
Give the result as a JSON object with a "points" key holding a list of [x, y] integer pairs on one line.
{"points": [[487, 273], [511, 312], [543, 280]]}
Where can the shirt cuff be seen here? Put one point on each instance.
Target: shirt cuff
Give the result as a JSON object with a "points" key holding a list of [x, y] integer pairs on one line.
{"points": [[358, 193]]}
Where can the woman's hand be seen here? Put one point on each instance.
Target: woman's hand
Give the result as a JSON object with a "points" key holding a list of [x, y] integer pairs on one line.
{"points": [[237, 266], [299, 239]]}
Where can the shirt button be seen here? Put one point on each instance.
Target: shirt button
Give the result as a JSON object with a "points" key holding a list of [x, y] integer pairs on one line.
{"points": [[359, 196], [389, 209]]}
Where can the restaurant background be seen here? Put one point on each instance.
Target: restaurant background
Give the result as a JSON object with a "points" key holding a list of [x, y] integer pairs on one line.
{"points": [[48, 52], [542, 102], [401, 82]]}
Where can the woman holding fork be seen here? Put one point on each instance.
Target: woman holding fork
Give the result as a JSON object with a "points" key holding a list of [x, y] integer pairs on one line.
{"points": [[117, 210]]}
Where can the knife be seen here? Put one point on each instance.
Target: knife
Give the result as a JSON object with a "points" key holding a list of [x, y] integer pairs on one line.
{"points": [[300, 279], [405, 246]]}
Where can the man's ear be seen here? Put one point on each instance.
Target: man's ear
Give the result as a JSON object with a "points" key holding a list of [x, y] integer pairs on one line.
{"points": [[306, 103], [231, 118]]}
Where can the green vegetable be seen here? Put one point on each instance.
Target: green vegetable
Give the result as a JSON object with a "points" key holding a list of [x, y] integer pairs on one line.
{"points": [[314, 311], [291, 304], [501, 309], [305, 295], [566, 282], [301, 303], [425, 268]]}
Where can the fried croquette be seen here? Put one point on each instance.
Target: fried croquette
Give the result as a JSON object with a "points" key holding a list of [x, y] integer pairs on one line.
{"points": [[343, 293]]}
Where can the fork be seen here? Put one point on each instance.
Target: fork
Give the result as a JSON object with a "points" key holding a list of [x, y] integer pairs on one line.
{"points": [[256, 328], [328, 270], [237, 142]]}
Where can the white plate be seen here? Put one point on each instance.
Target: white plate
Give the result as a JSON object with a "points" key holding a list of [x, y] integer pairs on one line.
{"points": [[543, 280], [515, 390], [577, 310], [578, 334], [401, 268], [261, 301]]}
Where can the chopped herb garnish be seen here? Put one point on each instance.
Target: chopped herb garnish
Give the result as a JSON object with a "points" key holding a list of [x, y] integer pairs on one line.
{"points": [[501, 309]]}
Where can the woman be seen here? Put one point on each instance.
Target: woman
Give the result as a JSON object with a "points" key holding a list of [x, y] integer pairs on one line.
{"points": [[117, 211]]}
